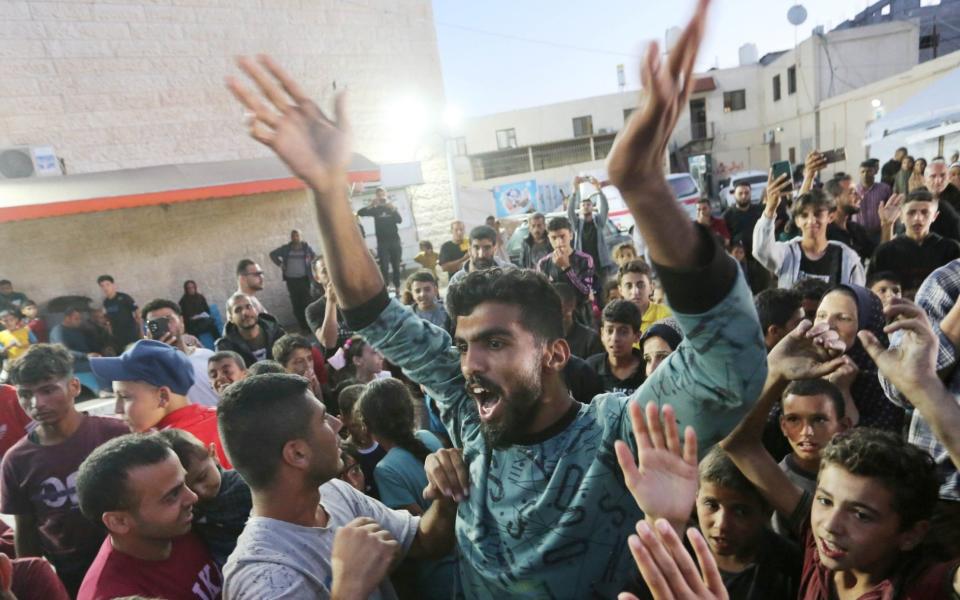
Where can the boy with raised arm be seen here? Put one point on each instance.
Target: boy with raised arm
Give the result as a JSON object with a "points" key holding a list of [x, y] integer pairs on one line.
{"points": [[861, 528], [537, 519]]}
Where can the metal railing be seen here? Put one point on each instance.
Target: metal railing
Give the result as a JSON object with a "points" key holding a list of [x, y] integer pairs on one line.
{"points": [[541, 156]]}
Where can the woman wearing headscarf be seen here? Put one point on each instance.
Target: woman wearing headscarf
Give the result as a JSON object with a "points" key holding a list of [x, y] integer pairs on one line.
{"points": [[196, 312], [659, 341], [847, 309]]}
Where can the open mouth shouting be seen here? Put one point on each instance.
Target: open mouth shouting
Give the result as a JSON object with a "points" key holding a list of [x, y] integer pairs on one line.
{"points": [[489, 398]]}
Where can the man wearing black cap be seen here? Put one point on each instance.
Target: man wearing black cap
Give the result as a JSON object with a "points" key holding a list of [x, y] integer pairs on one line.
{"points": [[151, 380]]}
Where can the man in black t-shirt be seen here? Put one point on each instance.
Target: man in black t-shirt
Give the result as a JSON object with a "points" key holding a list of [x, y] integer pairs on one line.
{"points": [[918, 252], [122, 311], [454, 252], [386, 217], [741, 219], [843, 228]]}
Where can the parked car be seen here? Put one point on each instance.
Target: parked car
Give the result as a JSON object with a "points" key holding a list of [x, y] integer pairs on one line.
{"points": [[757, 181], [514, 245], [687, 192]]}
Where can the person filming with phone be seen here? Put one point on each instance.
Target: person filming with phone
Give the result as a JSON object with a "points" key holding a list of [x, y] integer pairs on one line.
{"points": [[812, 256], [164, 323]]}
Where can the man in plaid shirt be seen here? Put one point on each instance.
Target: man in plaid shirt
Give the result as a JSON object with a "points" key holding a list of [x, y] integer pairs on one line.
{"points": [[938, 298]]}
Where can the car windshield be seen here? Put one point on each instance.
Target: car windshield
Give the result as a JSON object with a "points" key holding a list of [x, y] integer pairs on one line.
{"points": [[683, 186]]}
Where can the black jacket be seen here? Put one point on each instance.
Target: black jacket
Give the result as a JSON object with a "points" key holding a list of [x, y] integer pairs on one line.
{"points": [[232, 340]]}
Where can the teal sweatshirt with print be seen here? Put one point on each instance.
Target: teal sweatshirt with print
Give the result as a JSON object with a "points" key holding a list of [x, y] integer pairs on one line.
{"points": [[551, 519]]}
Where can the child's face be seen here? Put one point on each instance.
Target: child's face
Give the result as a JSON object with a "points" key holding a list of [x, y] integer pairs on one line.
{"points": [[618, 338], [424, 293], [657, 295], [635, 287], [203, 478], [625, 255], [855, 524], [738, 253], [732, 522], [29, 312], [352, 473], [887, 290], [809, 423]]}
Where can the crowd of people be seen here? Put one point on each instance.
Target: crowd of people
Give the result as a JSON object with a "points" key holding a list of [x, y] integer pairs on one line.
{"points": [[759, 405]]}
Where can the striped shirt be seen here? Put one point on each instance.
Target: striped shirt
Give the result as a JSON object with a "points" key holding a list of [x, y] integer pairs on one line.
{"points": [[869, 215], [936, 296]]}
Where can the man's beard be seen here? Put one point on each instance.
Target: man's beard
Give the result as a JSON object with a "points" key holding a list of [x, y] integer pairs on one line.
{"points": [[850, 209], [519, 410], [743, 203], [483, 263]]}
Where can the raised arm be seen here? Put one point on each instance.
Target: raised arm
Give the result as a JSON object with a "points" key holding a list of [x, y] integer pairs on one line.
{"points": [[911, 366], [573, 204], [636, 161], [814, 164], [317, 149], [765, 247], [804, 353], [604, 208]]}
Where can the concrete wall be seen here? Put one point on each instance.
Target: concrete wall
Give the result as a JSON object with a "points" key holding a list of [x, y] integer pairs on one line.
{"points": [[130, 83]]}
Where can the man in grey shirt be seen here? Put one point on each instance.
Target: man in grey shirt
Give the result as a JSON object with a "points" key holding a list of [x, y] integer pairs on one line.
{"points": [[309, 534]]}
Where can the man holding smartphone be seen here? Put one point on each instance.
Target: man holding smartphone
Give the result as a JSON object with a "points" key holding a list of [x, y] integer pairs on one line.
{"points": [[164, 323]]}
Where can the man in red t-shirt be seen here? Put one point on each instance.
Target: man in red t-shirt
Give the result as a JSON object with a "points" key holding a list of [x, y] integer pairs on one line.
{"points": [[40, 470], [13, 421], [151, 380], [135, 486]]}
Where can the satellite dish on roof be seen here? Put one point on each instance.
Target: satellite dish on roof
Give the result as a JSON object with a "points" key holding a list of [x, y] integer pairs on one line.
{"points": [[797, 14]]}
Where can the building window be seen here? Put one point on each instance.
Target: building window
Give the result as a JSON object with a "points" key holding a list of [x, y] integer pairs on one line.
{"points": [[776, 88], [506, 138], [885, 11], [460, 146], [792, 80], [626, 114], [929, 3], [582, 126], [735, 100]]}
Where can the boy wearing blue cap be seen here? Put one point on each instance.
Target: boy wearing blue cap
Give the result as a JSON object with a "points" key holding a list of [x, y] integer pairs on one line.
{"points": [[151, 380]]}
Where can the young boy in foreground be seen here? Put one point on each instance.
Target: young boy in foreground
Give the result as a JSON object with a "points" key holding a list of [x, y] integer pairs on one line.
{"points": [[224, 502]]}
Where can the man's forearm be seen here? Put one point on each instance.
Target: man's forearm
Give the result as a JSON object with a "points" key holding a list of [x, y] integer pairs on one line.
{"points": [[26, 541], [668, 232], [453, 266], [328, 330], [939, 408], [354, 274], [750, 431], [435, 536]]}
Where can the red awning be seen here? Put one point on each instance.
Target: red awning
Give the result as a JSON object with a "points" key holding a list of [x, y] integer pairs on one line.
{"points": [[42, 197]]}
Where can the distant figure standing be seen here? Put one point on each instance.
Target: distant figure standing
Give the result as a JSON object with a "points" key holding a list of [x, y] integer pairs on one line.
{"points": [[295, 258], [386, 217], [122, 312]]}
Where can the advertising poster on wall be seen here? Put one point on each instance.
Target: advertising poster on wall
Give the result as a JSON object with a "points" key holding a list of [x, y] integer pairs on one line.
{"points": [[515, 198]]}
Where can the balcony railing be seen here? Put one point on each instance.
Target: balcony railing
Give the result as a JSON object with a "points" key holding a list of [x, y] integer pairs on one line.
{"points": [[701, 130], [541, 156]]}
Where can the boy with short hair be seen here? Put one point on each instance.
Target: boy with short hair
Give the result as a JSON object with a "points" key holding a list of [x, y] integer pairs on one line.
{"points": [[812, 412], [621, 366], [885, 284], [918, 251], [31, 314], [425, 292], [223, 498], [427, 258], [732, 515], [635, 283], [810, 256], [569, 265]]}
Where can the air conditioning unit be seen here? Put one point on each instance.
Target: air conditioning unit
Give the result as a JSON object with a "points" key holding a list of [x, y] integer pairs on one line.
{"points": [[769, 137], [21, 162]]}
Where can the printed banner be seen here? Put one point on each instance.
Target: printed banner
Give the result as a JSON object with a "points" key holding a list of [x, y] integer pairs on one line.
{"points": [[515, 198]]}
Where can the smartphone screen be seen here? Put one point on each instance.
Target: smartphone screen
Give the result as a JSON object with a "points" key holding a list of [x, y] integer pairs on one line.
{"points": [[783, 167]]}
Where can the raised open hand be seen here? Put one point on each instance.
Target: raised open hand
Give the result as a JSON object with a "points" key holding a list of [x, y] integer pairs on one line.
{"points": [[669, 570], [912, 363], [807, 352], [638, 152], [889, 209], [814, 164], [316, 148], [663, 481]]}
